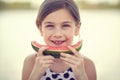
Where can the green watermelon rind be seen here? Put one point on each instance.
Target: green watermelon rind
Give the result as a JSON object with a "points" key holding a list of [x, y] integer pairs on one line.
{"points": [[56, 53]]}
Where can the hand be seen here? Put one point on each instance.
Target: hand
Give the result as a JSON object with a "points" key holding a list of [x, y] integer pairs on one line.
{"points": [[41, 64], [44, 61], [76, 62]]}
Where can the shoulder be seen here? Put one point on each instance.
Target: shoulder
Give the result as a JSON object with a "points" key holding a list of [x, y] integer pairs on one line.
{"points": [[88, 61], [30, 58], [90, 68]]}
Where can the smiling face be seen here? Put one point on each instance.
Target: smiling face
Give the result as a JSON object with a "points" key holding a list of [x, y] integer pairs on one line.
{"points": [[58, 28]]}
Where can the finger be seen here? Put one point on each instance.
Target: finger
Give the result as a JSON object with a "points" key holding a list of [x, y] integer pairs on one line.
{"points": [[48, 57], [69, 56], [40, 51], [47, 61], [68, 60], [75, 52], [48, 65], [70, 65]]}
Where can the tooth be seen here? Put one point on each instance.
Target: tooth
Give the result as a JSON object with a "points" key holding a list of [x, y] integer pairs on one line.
{"points": [[57, 42]]}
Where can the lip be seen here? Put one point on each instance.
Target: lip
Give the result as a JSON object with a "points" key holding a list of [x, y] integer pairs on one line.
{"points": [[58, 42]]}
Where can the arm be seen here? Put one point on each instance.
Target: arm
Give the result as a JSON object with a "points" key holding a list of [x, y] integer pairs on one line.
{"points": [[28, 66], [83, 68], [90, 69], [35, 66]]}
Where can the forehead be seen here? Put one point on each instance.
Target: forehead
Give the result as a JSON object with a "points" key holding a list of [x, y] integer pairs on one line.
{"points": [[61, 15]]}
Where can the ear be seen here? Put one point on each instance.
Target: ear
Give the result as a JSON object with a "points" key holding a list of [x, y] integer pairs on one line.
{"points": [[77, 29], [40, 29]]}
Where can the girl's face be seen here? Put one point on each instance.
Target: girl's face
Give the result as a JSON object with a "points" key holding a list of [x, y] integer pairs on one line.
{"points": [[59, 28]]}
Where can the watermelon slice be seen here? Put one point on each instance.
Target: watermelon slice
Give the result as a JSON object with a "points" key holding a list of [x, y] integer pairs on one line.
{"points": [[55, 51]]}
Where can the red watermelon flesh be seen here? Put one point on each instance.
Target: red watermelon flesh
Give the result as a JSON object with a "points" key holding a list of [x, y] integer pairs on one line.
{"points": [[54, 50]]}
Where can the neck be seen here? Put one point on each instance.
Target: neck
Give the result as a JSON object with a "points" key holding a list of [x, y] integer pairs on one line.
{"points": [[59, 66]]}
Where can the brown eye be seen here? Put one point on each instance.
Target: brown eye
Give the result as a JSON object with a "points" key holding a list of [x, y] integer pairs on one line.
{"points": [[49, 25], [66, 25]]}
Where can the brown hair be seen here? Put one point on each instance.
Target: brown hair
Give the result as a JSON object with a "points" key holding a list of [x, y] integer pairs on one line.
{"points": [[49, 6]]}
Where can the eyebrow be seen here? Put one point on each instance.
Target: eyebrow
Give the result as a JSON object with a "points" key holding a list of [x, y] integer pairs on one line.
{"points": [[48, 23], [65, 22]]}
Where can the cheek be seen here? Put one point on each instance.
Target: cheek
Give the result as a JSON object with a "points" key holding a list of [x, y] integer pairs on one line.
{"points": [[70, 35], [71, 32], [46, 35]]}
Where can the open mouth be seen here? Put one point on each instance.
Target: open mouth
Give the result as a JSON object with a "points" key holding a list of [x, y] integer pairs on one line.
{"points": [[57, 42]]}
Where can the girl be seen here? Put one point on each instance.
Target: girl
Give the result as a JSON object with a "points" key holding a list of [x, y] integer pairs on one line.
{"points": [[58, 21]]}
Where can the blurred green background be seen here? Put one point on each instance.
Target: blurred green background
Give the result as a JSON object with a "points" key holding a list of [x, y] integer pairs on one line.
{"points": [[84, 4], [100, 31]]}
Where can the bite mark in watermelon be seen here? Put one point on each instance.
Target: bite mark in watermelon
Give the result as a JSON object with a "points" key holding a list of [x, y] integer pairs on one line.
{"points": [[55, 51]]}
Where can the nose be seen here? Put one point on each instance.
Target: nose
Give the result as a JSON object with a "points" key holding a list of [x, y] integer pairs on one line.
{"points": [[57, 33]]}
